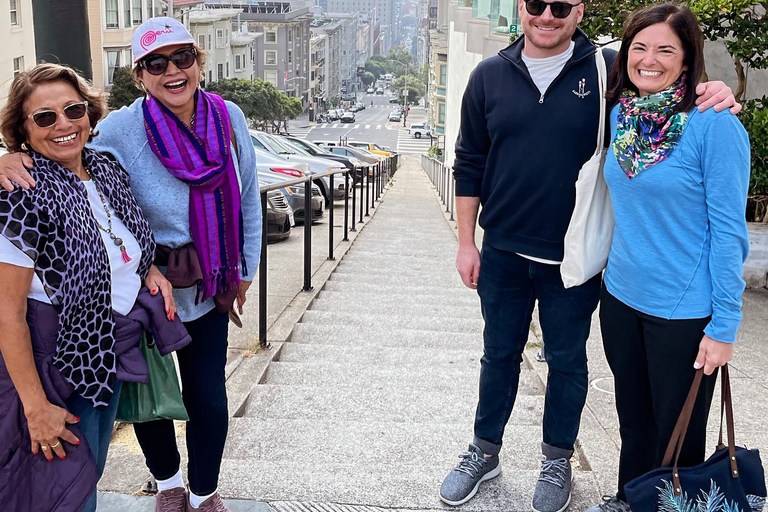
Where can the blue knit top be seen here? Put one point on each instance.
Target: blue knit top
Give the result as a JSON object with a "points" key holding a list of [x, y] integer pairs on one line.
{"points": [[681, 235], [165, 200]]}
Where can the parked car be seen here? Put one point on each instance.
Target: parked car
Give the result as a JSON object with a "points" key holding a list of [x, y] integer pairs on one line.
{"points": [[347, 117], [394, 99], [276, 147], [294, 193], [278, 217], [419, 130], [379, 90], [322, 118], [350, 162], [370, 90], [368, 146], [348, 97], [333, 115], [366, 157], [360, 106], [395, 116], [353, 108]]}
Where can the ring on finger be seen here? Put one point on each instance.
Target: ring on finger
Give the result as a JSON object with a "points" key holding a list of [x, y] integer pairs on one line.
{"points": [[44, 447], [56, 444]]}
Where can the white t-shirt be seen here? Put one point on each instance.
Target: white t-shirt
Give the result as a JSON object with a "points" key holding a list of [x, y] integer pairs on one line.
{"points": [[543, 72], [125, 282]]}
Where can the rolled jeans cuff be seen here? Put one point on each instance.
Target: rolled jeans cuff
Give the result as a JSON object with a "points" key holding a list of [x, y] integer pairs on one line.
{"points": [[487, 447]]}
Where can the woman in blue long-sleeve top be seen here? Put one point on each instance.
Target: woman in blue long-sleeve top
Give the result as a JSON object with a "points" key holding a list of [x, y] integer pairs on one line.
{"points": [[671, 298]]}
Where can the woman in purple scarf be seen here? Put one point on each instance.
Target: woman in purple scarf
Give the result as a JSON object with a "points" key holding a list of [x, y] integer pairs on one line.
{"points": [[192, 170]]}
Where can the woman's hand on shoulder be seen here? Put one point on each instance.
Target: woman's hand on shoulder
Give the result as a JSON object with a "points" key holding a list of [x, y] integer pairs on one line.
{"points": [[155, 282], [13, 168], [716, 95], [712, 354], [48, 430]]}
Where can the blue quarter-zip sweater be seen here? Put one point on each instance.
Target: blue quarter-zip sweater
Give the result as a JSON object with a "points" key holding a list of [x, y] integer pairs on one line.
{"points": [[681, 235], [520, 151]]}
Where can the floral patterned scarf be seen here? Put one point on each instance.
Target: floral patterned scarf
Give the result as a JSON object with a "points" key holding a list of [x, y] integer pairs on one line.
{"points": [[649, 128]]}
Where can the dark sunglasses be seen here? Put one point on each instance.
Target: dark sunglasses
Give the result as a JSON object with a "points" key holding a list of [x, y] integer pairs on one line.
{"points": [[46, 118], [157, 64], [559, 10]]}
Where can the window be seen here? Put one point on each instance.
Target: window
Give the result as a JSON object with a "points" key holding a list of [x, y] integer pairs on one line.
{"points": [[209, 41], [127, 13], [113, 62], [221, 42], [18, 65], [271, 77], [290, 56], [441, 113], [210, 76], [14, 13], [443, 75], [151, 9], [136, 12], [290, 34], [220, 74], [201, 40], [239, 62], [270, 36], [110, 6], [270, 57], [227, 69]]}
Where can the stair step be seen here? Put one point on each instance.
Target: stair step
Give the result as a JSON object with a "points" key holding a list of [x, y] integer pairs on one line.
{"points": [[468, 298], [388, 309], [454, 380], [425, 288], [422, 270], [447, 280], [375, 354], [376, 405], [318, 442], [340, 336], [378, 328]]}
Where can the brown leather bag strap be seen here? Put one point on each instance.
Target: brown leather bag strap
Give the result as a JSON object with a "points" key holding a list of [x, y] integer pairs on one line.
{"points": [[675, 445]]}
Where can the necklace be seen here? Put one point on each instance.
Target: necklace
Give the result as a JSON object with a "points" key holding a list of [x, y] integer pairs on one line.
{"points": [[192, 120], [115, 239]]}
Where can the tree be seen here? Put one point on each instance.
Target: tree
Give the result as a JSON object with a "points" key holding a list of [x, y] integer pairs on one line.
{"points": [[368, 78], [375, 67], [263, 105], [124, 91], [416, 87]]}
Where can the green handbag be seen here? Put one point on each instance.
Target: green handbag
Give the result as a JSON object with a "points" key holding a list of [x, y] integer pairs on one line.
{"points": [[160, 398]]}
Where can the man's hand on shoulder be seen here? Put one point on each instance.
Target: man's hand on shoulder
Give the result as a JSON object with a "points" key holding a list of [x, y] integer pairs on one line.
{"points": [[716, 95], [13, 169]]}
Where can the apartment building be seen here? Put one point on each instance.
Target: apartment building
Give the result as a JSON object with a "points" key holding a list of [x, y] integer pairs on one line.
{"points": [[17, 52], [438, 81], [318, 71], [380, 11], [330, 34], [229, 44], [348, 56]]}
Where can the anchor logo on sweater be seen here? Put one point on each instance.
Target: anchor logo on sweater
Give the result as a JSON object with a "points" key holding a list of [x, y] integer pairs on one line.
{"points": [[581, 93]]}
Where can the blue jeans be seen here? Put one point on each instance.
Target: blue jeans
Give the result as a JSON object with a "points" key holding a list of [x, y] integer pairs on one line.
{"points": [[509, 285], [96, 426]]}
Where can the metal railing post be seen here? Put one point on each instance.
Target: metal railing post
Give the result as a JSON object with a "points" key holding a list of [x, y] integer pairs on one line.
{"points": [[362, 192], [354, 201], [371, 170], [308, 235], [453, 196], [263, 275], [330, 222], [346, 206]]}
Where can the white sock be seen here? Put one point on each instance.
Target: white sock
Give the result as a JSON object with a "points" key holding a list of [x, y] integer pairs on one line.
{"points": [[170, 483], [195, 501]]}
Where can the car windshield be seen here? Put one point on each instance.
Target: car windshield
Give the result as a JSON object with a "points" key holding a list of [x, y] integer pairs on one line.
{"points": [[291, 144], [277, 146], [305, 144], [258, 144]]}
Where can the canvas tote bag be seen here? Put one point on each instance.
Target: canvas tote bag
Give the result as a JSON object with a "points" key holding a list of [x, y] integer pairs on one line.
{"points": [[590, 232]]}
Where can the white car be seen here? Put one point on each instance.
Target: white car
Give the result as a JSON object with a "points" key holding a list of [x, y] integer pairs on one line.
{"points": [[419, 130], [370, 90]]}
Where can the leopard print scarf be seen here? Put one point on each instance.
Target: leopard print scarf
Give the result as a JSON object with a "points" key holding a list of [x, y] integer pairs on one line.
{"points": [[53, 224]]}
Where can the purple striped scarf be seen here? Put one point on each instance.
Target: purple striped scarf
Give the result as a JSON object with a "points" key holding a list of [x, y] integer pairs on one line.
{"points": [[201, 158]]}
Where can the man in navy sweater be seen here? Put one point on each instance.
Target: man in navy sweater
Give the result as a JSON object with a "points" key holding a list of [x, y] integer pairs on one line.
{"points": [[529, 121]]}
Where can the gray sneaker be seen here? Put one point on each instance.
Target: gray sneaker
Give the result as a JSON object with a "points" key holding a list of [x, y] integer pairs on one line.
{"points": [[462, 482], [553, 490], [610, 504]]}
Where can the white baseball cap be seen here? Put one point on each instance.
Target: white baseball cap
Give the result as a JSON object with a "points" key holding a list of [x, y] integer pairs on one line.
{"points": [[156, 33]]}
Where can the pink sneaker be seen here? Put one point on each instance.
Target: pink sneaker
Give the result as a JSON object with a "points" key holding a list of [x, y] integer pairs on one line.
{"points": [[212, 504], [171, 500]]}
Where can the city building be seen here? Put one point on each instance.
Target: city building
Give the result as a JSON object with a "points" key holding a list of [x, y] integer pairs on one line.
{"points": [[331, 36], [380, 11], [438, 81], [318, 71], [17, 53]]}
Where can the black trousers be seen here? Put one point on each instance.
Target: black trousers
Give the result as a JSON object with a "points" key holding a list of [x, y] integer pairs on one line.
{"points": [[652, 363], [201, 364]]}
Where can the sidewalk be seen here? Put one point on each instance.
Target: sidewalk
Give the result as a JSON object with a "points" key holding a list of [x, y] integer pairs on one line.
{"points": [[371, 397]]}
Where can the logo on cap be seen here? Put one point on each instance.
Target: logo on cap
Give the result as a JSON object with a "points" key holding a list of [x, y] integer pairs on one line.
{"points": [[150, 37]]}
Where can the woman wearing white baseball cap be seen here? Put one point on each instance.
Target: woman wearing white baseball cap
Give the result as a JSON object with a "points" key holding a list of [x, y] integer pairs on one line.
{"points": [[192, 170]]}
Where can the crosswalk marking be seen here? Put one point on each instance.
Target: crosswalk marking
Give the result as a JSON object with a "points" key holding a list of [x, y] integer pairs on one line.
{"points": [[357, 126], [408, 144], [378, 127], [335, 125], [367, 127]]}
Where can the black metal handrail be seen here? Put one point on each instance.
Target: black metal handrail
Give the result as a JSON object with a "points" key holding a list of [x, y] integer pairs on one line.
{"points": [[307, 257], [441, 177]]}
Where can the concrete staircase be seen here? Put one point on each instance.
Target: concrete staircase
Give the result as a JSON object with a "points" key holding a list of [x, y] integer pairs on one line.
{"points": [[373, 397]]}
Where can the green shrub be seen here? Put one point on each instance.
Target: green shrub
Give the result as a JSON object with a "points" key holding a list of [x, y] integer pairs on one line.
{"points": [[755, 120], [435, 152]]}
